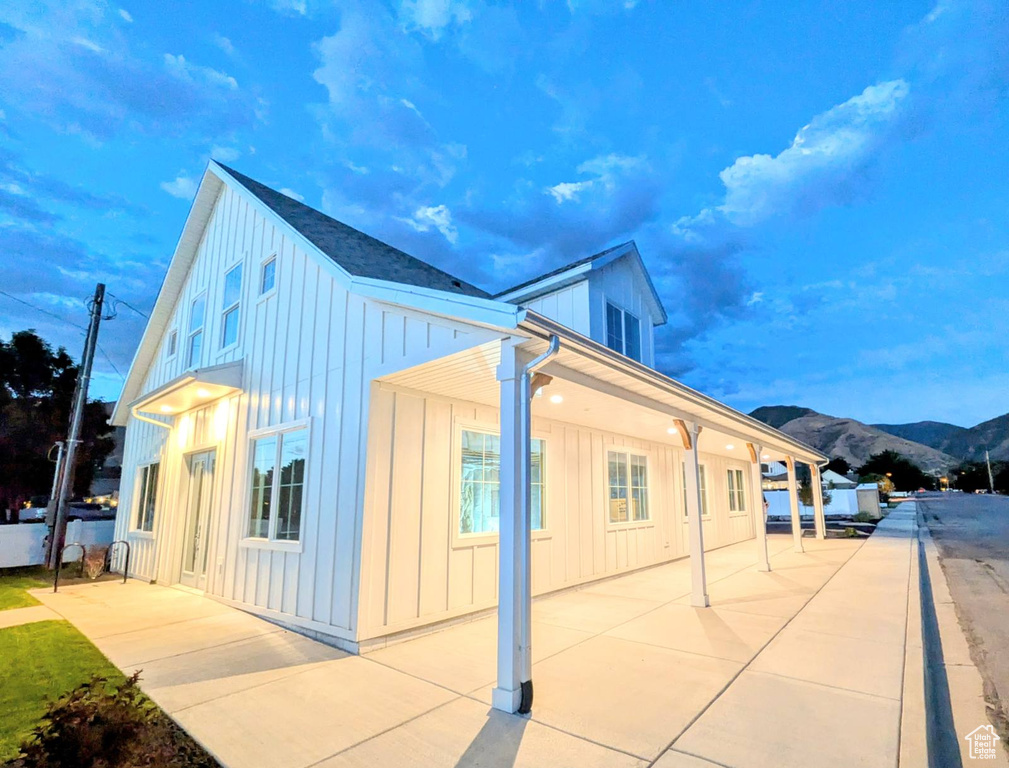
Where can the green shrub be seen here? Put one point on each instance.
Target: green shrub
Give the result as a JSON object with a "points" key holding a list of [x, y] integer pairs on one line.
{"points": [[98, 725], [863, 517]]}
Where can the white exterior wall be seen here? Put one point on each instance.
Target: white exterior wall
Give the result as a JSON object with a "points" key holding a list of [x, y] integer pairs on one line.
{"points": [[568, 306], [619, 284], [308, 349], [417, 570]]}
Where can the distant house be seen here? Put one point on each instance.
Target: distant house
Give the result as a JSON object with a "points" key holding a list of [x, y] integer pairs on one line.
{"points": [[330, 433], [830, 477]]}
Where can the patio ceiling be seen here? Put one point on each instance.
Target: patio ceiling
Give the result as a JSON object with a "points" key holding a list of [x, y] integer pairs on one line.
{"points": [[590, 391]]}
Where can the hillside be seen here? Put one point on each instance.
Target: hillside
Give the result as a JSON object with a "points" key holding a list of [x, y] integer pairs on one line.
{"points": [[968, 444], [849, 439]]}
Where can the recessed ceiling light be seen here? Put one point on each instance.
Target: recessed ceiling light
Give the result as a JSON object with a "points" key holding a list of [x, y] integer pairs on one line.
{"points": [[556, 398], [672, 430], [729, 447], [167, 409], [766, 456], [201, 392]]}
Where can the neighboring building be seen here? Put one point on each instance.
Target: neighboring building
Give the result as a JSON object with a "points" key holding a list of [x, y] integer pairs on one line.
{"points": [[830, 478], [325, 431]]}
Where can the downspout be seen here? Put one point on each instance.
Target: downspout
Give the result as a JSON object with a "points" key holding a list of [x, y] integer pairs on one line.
{"points": [[525, 543]]}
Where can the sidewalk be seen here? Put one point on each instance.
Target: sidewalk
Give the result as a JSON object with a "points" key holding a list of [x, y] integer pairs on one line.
{"points": [[801, 666]]}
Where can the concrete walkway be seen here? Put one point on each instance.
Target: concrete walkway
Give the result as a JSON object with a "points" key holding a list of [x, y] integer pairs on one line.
{"points": [[15, 617], [800, 666]]}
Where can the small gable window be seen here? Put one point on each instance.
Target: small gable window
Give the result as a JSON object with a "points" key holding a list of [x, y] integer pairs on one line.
{"points": [[231, 305], [197, 315], [268, 278], [173, 343], [623, 332]]}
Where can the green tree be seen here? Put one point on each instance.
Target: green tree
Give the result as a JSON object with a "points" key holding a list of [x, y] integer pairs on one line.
{"points": [[36, 392], [901, 471], [806, 493], [839, 465]]}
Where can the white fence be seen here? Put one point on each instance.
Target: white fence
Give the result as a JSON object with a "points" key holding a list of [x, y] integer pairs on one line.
{"points": [[22, 544], [843, 502]]}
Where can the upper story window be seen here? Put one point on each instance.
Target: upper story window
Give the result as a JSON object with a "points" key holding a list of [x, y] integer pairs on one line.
{"points": [[268, 276], [231, 305], [623, 332], [197, 316], [480, 487], [173, 343], [628, 485]]}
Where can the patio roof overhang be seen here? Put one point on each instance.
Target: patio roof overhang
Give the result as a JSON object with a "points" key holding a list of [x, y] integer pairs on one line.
{"points": [[597, 387], [192, 389]]}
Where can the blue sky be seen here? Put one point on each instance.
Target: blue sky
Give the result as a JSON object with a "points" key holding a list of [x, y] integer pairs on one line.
{"points": [[819, 189]]}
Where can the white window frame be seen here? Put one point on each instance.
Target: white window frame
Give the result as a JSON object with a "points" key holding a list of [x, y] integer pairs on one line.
{"points": [[172, 344], [260, 293], [624, 314], [466, 540], [270, 542], [190, 334], [627, 453], [702, 471], [143, 471], [235, 306], [739, 492]]}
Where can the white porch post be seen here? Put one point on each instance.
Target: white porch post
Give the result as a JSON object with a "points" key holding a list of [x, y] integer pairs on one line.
{"points": [[698, 580], [759, 516], [793, 503], [508, 693], [820, 521]]}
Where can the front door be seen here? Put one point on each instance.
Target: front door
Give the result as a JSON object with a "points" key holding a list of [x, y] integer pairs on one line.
{"points": [[197, 531]]}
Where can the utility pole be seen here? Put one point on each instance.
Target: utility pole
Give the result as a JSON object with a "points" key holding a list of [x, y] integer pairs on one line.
{"points": [[58, 531], [991, 480], [56, 472]]}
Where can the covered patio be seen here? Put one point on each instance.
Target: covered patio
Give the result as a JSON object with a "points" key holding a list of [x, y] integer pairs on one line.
{"points": [[623, 666], [553, 374]]}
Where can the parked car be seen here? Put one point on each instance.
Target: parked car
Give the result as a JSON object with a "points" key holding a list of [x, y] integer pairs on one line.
{"points": [[82, 510]]}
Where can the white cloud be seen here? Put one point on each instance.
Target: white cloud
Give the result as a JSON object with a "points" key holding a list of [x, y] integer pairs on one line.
{"points": [[606, 169], [438, 217], [92, 46], [182, 187], [224, 44], [126, 15], [834, 143], [186, 70], [433, 16], [225, 154], [296, 7], [292, 194]]}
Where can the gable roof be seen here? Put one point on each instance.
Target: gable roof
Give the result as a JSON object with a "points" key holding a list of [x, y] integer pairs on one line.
{"points": [[359, 254], [574, 271]]}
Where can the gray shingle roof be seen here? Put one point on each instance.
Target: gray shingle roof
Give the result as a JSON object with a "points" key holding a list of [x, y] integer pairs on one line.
{"points": [[359, 254]]}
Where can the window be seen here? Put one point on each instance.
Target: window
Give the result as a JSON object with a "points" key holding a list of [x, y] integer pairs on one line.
{"points": [[628, 482], [230, 308], [148, 496], [268, 278], [623, 332], [703, 476], [737, 496], [196, 317], [173, 343], [277, 484], [480, 483]]}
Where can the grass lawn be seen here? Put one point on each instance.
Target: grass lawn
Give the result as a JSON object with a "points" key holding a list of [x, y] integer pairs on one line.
{"points": [[14, 582], [41, 662]]}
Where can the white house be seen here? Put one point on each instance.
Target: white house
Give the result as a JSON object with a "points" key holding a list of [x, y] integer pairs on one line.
{"points": [[332, 434]]}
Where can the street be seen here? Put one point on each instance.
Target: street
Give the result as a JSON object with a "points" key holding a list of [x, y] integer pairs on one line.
{"points": [[972, 534]]}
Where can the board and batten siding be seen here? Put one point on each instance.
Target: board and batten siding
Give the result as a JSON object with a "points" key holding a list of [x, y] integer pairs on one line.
{"points": [[568, 306], [309, 349], [417, 570]]}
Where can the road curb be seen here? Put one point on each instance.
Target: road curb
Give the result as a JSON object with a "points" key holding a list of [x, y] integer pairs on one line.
{"points": [[953, 691]]}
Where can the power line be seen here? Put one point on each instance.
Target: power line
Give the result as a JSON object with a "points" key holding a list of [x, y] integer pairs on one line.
{"points": [[116, 301], [43, 311]]}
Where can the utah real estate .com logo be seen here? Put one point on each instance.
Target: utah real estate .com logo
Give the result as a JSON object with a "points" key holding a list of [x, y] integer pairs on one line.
{"points": [[982, 743]]}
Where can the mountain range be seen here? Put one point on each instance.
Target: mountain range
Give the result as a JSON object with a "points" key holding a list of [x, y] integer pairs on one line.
{"points": [[932, 445]]}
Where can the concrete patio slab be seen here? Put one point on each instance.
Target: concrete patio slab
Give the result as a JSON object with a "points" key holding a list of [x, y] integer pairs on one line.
{"points": [[465, 732], [766, 721]]}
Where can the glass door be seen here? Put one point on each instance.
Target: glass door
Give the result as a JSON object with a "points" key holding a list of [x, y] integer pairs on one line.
{"points": [[196, 544]]}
